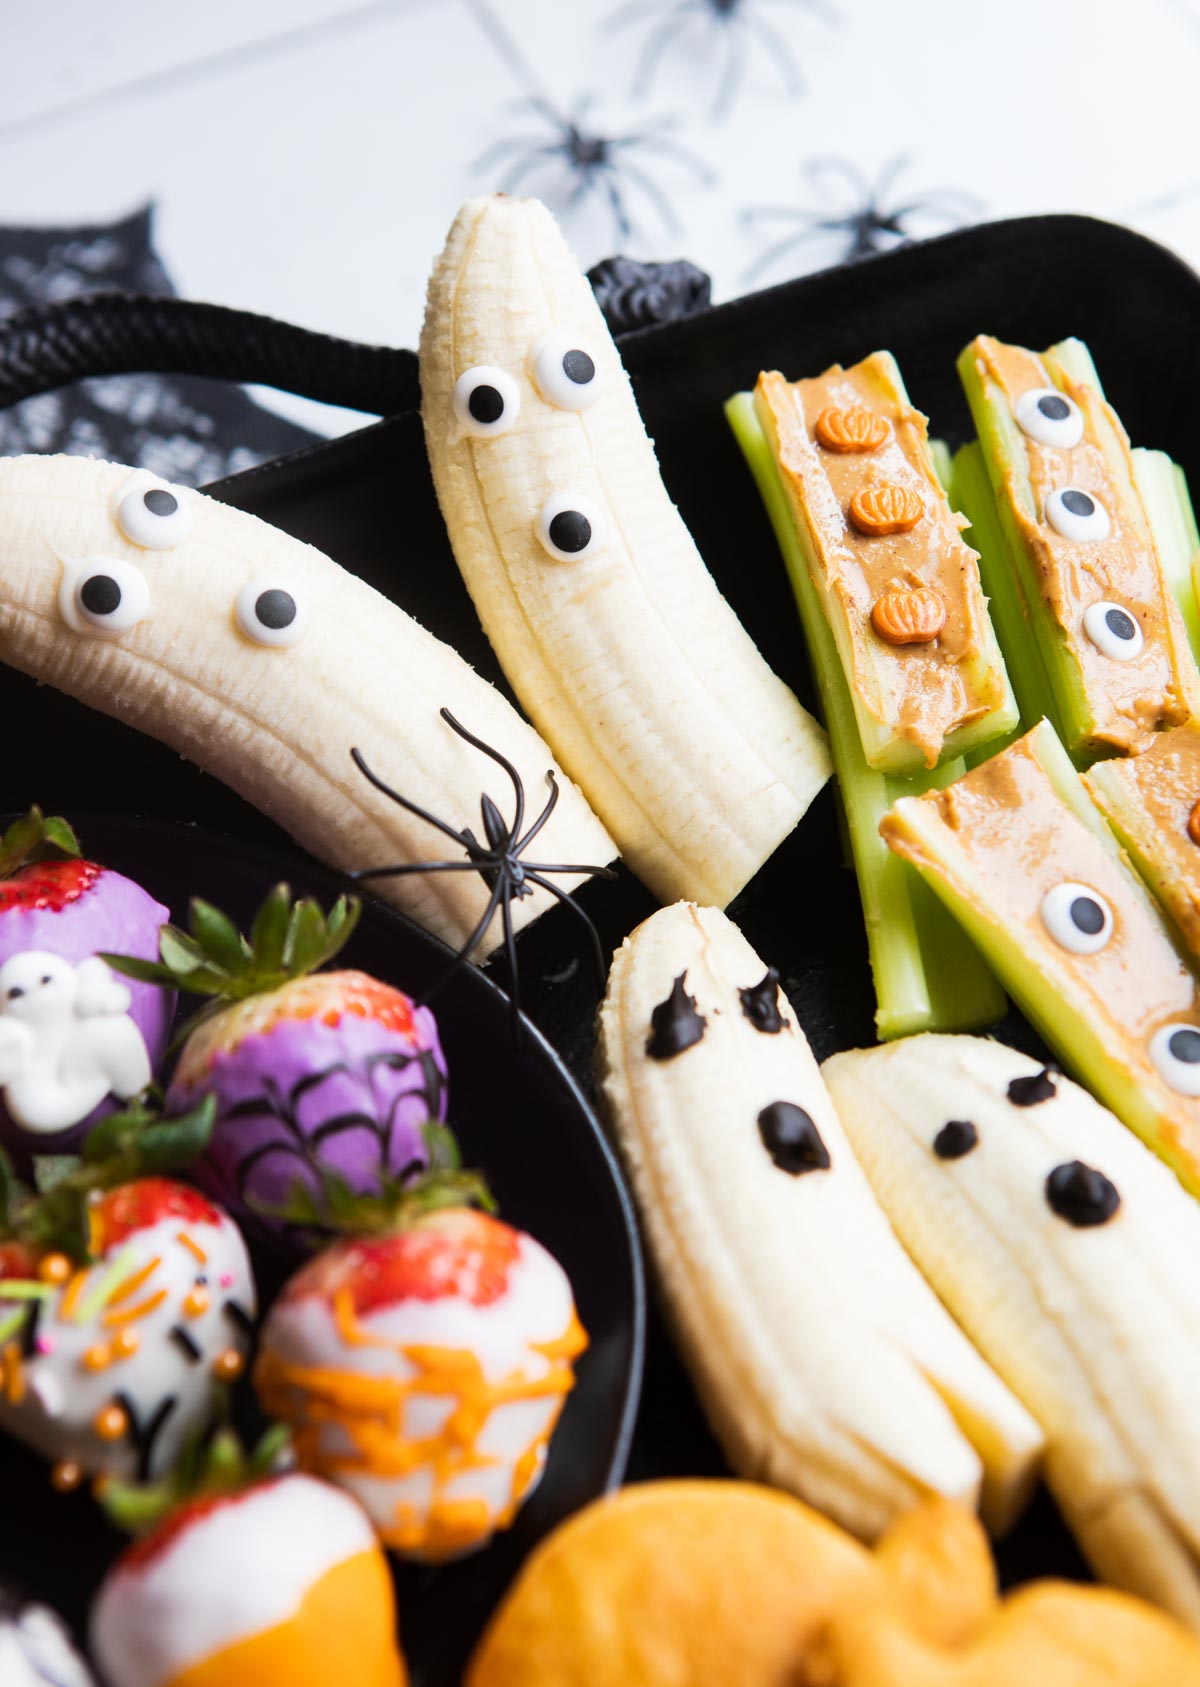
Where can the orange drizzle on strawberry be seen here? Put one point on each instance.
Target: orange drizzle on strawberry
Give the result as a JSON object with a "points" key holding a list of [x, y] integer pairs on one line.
{"points": [[136, 1206], [458, 1253], [51, 885]]}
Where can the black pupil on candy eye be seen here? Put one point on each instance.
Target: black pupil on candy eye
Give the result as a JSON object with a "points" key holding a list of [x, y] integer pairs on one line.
{"points": [[100, 594], [571, 530], [1087, 915], [578, 367], [1078, 502], [275, 609], [1119, 624], [486, 404], [1185, 1046], [159, 502], [1053, 408]]}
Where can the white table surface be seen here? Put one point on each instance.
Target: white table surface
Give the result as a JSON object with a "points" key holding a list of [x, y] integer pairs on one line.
{"points": [[306, 156]]}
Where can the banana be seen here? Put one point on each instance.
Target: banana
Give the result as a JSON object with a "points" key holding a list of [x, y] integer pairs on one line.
{"points": [[262, 661], [589, 586], [1069, 1255], [825, 1363]]}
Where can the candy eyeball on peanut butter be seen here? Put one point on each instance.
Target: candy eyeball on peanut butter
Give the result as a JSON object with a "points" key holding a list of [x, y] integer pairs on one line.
{"points": [[564, 372], [1175, 1051], [1077, 515], [103, 596], [1077, 918], [1049, 417], [570, 526], [485, 401], [152, 514], [1114, 631], [271, 612]]}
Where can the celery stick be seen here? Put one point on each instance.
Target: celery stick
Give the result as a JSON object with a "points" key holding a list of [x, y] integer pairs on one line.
{"points": [[927, 975], [1160, 483]]}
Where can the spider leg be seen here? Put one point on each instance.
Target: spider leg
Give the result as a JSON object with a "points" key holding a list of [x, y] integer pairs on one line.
{"points": [[639, 178], [629, 12], [500, 150], [781, 247], [941, 202], [532, 867], [670, 149], [514, 977], [735, 69], [827, 166], [778, 213], [620, 214], [542, 818], [829, 13], [569, 902], [411, 807], [467, 949], [656, 45], [773, 40], [500, 761], [413, 867], [889, 175]]}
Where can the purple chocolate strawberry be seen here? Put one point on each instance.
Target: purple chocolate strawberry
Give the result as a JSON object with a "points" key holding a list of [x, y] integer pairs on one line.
{"points": [[52, 902], [330, 1073]]}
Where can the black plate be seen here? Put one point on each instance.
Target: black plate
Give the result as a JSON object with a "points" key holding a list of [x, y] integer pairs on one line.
{"points": [[519, 1116], [368, 501]]}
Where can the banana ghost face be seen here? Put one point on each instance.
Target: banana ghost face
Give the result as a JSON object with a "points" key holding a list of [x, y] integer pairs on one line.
{"points": [[262, 661], [587, 582]]}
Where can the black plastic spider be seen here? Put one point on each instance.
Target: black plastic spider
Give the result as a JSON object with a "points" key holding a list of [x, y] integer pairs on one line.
{"points": [[863, 218], [593, 161], [498, 864], [735, 22]]}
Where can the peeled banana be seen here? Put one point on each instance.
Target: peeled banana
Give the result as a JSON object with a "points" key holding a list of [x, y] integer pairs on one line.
{"points": [[262, 661], [824, 1361], [589, 586], [1069, 1255]]}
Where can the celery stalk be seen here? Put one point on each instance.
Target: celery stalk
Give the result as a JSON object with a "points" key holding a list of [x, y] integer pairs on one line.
{"points": [[928, 976], [1164, 493]]}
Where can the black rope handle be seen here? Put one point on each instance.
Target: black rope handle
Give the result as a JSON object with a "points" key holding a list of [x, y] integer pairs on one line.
{"points": [[123, 333]]}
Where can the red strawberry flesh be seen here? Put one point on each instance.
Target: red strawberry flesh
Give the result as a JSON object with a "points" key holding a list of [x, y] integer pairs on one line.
{"points": [[52, 885], [136, 1206], [458, 1253]]}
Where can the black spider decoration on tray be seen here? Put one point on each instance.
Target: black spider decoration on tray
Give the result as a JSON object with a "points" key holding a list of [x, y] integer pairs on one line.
{"points": [[862, 218], [732, 27], [499, 863], [592, 162]]}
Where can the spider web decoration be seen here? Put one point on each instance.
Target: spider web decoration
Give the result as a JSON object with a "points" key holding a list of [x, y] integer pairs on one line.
{"points": [[499, 863], [727, 28], [858, 217], [580, 161]]}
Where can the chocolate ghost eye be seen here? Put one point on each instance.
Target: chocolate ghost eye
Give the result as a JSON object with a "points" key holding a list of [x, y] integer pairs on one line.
{"points": [[1050, 417], [1113, 630], [103, 595], [1175, 1051], [1077, 917], [564, 372], [486, 400], [1081, 1195], [154, 515], [270, 613], [570, 526], [1077, 515]]}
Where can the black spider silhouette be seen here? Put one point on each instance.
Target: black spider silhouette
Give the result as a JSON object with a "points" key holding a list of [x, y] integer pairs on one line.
{"points": [[737, 23], [498, 864], [593, 162], [863, 218]]}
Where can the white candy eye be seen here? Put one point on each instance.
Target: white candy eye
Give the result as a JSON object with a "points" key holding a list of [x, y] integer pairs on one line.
{"points": [[1077, 515], [1113, 630], [103, 595], [1077, 918], [570, 526], [270, 613], [154, 515], [1175, 1050], [564, 372], [486, 400], [1050, 417]]}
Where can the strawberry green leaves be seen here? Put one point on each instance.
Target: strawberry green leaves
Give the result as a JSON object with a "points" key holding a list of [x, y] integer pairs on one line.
{"points": [[210, 1466], [34, 837]]}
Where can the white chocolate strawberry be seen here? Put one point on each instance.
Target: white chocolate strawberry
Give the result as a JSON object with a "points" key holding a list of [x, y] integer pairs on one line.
{"points": [[424, 1370]]}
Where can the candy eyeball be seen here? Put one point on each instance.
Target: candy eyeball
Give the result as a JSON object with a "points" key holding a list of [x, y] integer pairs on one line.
{"points": [[1114, 631], [270, 612], [1049, 417], [103, 596], [1175, 1051], [1077, 515], [564, 373], [486, 400], [570, 526], [152, 514], [1077, 918]]}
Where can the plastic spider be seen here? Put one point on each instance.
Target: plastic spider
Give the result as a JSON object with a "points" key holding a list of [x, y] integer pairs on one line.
{"points": [[592, 161], [737, 22], [863, 220], [498, 862]]}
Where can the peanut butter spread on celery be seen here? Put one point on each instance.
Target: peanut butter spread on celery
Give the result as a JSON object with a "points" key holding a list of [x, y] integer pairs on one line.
{"points": [[921, 691], [1008, 839], [1131, 699]]}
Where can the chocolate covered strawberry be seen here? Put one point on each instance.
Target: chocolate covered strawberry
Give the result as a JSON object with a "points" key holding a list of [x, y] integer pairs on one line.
{"points": [[311, 1072], [249, 1580], [71, 1035], [424, 1366], [126, 1301]]}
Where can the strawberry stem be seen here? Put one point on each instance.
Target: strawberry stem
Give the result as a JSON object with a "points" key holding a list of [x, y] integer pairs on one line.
{"points": [[35, 837], [211, 1466]]}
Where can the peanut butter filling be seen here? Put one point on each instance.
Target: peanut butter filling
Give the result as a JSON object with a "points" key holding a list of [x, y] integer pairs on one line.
{"points": [[1129, 700], [877, 478]]}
